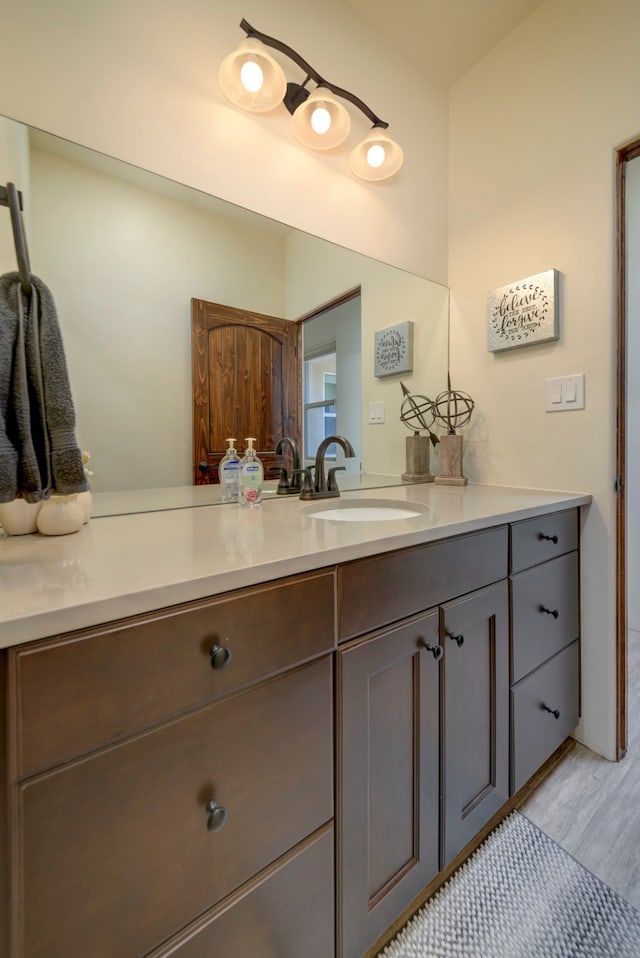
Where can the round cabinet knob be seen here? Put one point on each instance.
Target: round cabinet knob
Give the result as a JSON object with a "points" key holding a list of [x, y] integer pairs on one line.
{"points": [[220, 656], [436, 650], [458, 639], [554, 712], [217, 816], [553, 612], [553, 539]]}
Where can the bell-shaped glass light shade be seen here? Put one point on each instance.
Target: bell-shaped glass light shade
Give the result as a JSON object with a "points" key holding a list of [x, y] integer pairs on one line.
{"points": [[321, 122], [378, 156], [251, 79]]}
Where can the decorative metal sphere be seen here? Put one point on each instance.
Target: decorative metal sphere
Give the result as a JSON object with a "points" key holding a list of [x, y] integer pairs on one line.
{"points": [[417, 413], [453, 408]]}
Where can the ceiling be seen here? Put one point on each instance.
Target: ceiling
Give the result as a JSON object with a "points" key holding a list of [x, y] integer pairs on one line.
{"points": [[445, 38]]}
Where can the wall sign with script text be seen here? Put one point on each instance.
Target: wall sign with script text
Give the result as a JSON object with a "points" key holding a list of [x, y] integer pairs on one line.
{"points": [[525, 312], [394, 349]]}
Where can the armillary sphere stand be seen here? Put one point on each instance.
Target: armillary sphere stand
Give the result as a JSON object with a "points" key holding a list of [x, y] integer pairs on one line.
{"points": [[417, 414]]}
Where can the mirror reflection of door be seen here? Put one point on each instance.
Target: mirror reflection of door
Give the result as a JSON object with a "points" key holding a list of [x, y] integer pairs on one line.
{"points": [[246, 378], [332, 379], [320, 393]]}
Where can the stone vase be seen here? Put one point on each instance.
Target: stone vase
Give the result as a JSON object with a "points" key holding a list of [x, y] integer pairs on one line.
{"points": [[451, 461], [417, 458]]}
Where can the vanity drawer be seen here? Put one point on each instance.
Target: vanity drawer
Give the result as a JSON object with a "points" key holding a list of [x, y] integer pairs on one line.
{"points": [[376, 591], [119, 843], [545, 613], [544, 537], [75, 694], [287, 913], [535, 732]]}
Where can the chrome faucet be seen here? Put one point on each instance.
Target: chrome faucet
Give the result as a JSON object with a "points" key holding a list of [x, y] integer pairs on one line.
{"points": [[321, 487], [289, 486]]}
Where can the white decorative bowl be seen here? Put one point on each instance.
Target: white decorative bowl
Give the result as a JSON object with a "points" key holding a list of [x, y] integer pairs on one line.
{"points": [[60, 515], [19, 517]]}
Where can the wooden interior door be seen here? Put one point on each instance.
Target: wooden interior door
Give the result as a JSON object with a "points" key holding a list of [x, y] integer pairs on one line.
{"points": [[246, 382]]}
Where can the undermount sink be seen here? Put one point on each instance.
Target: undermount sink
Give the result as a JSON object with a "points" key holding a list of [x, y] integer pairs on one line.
{"points": [[366, 510]]}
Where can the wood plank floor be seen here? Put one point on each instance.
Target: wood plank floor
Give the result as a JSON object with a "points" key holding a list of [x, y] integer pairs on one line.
{"points": [[591, 807]]}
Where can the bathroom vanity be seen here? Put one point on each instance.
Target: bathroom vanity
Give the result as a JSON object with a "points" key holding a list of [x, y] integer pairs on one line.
{"points": [[259, 732]]}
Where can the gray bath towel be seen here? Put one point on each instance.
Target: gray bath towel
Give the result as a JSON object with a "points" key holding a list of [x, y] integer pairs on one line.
{"points": [[38, 449]]}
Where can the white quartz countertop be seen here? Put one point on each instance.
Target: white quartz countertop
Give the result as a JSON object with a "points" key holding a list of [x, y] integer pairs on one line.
{"points": [[123, 565]]}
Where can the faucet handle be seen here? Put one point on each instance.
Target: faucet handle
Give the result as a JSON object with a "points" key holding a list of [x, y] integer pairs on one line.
{"points": [[307, 482], [332, 482], [283, 485]]}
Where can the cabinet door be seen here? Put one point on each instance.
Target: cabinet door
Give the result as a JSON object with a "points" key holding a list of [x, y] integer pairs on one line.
{"points": [[286, 912], [545, 707], [387, 778], [120, 849], [73, 694], [475, 709], [545, 612]]}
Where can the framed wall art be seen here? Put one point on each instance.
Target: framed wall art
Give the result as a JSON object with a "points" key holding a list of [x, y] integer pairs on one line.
{"points": [[394, 350], [525, 312]]}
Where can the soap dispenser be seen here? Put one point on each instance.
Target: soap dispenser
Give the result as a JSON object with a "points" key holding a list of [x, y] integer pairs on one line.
{"points": [[229, 473], [251, 476]]}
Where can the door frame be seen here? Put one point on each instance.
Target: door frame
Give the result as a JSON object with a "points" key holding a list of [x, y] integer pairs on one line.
{"points": [[334, 303], [624, 154]]}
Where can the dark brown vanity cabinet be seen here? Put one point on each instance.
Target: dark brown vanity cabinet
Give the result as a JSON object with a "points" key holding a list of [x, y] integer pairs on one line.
{"points": [[169, 780], [545, 629], [178, 800], [422, 723]]}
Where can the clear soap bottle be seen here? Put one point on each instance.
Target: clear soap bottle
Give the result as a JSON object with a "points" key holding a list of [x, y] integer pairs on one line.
{"points": [[229, 473], [251, 477]]}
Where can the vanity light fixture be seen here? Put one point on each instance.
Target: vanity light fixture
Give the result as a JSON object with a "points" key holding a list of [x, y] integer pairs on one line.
{"points": [[253, 80]]}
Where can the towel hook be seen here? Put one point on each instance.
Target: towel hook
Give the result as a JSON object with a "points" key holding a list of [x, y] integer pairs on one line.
{"points": [[11, 198]]}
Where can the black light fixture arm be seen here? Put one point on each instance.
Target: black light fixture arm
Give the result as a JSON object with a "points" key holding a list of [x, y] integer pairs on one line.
{"points": [[313, 74]]}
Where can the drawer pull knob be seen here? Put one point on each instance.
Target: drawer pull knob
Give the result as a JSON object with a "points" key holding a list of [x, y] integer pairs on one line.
{"points": [[553, 539], [459, 639], [553, 612], [220, 656], [554, 712], [436, 650], [216, 816]]}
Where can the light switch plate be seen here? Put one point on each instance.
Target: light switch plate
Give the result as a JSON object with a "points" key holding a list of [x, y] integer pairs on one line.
{"points": [[376, 412], [564, 393]]}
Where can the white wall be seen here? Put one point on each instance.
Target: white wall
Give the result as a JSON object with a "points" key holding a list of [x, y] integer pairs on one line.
{"points": [[14, 163], [139, 81], [633, 392], [533, 132]]}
